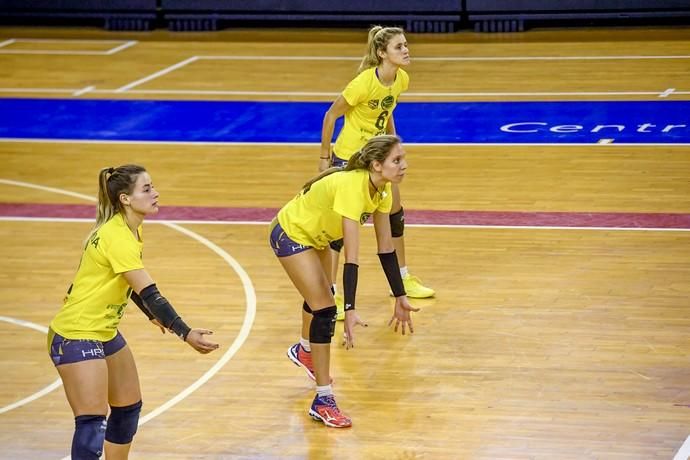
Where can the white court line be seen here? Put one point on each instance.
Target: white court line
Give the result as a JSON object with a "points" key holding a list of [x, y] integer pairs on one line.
{"points": [[257, 222], [55, 52], [684, 451], [64, 40], [83, 91], [351, 58], [664, 93], [156, 75], [446, 58], [250, 299], [668, 92], [311, 144], [125, 45], [116, 49], [39, 394]]}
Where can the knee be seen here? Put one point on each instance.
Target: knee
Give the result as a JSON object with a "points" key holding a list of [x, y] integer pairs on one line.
{"points": [[123, 423], [398, 223], [322, 325], [89, 434]]}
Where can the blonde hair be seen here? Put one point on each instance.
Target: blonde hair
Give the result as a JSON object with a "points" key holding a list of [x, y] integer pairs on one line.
{"points": [[378, 40], [376, 149], [111, 183]]}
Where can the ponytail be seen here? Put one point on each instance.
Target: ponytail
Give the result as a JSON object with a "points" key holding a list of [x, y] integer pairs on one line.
{"points": [[377, 41], [376, 149], [111, 183]]}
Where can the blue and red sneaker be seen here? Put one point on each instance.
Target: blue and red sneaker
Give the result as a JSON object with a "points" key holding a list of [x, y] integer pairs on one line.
{"points": [[325, 409], [302, 358]]}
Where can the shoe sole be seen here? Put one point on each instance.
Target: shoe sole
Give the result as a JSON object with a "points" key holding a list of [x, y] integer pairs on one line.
{"points": [[315, 415], [416, 296], [297, 363]]}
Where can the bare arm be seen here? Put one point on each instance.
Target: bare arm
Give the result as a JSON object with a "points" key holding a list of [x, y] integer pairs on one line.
{"points": [[390, 127], [384, 240], [138, 279], [382, 227], [335, 111], [165, 315], [350, 274], [351, 240]]}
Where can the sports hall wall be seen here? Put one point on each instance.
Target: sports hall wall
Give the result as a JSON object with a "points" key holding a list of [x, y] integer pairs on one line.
{"points": [[414, 15]]}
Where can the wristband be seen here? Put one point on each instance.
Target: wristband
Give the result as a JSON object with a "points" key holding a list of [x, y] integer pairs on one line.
{"points": [[389, 262], [164, 312], [142, 306], [350, 272]]}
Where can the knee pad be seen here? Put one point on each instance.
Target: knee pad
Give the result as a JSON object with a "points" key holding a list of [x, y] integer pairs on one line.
{"points": [[337, 245], [397, 223], [89, 434], [305, 307], [322, 325], [122, 423]]}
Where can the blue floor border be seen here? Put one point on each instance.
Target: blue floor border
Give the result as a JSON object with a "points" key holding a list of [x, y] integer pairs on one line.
{"points": [[570, 122]]}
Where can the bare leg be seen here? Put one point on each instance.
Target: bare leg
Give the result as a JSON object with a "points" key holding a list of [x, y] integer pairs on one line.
{"points": [[123, 390], [398, 243], [309, 272]]}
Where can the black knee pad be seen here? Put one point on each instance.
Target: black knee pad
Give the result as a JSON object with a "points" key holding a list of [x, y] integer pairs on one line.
{"points": [[123, 423], [305, 307], [322, 325], [337, 245], [89, 434], [398, 223]]}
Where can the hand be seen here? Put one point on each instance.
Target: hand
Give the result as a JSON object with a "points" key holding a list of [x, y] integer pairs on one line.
{"points": [[324, 164], [351, 320], [196, 340], [155, 322], [401, 314]]}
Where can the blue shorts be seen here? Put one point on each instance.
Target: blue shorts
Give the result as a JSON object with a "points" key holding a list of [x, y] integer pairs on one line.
{"points": [[337, 162], [67, 351], [281, 244]]}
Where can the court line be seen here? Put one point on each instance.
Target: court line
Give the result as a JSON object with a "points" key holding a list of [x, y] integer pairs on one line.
{"points": [[446, 58], [311, 144], [56, 384], [664, 93], [250, 299], [192, 92], [164, 71], [183, 63], [124, 45], [407, 224], [684, 451]]}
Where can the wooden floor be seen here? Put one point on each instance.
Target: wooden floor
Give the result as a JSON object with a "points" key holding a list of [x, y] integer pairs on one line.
{"points": [[541, 343]]}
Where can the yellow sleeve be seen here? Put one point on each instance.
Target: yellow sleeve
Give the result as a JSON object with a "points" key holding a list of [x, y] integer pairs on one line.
{"points": [[386, 203], [124, 256], [355, 91]]}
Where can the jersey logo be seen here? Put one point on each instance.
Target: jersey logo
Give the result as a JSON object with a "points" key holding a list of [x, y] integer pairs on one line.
{"points": [[373, 103], [364, 217], [387, 102], [94, 240]]}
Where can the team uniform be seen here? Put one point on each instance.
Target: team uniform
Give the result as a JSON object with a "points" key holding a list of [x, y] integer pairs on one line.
{"points": [[373, 104], [314, 217], [86, 325]]}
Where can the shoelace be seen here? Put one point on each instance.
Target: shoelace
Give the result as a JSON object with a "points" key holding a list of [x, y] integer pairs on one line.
{"points": [[330, 402]]}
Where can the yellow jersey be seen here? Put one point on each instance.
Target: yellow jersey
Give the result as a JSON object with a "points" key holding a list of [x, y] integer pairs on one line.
{"points": [[314, 216], [96, 300], [372, 106]]}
